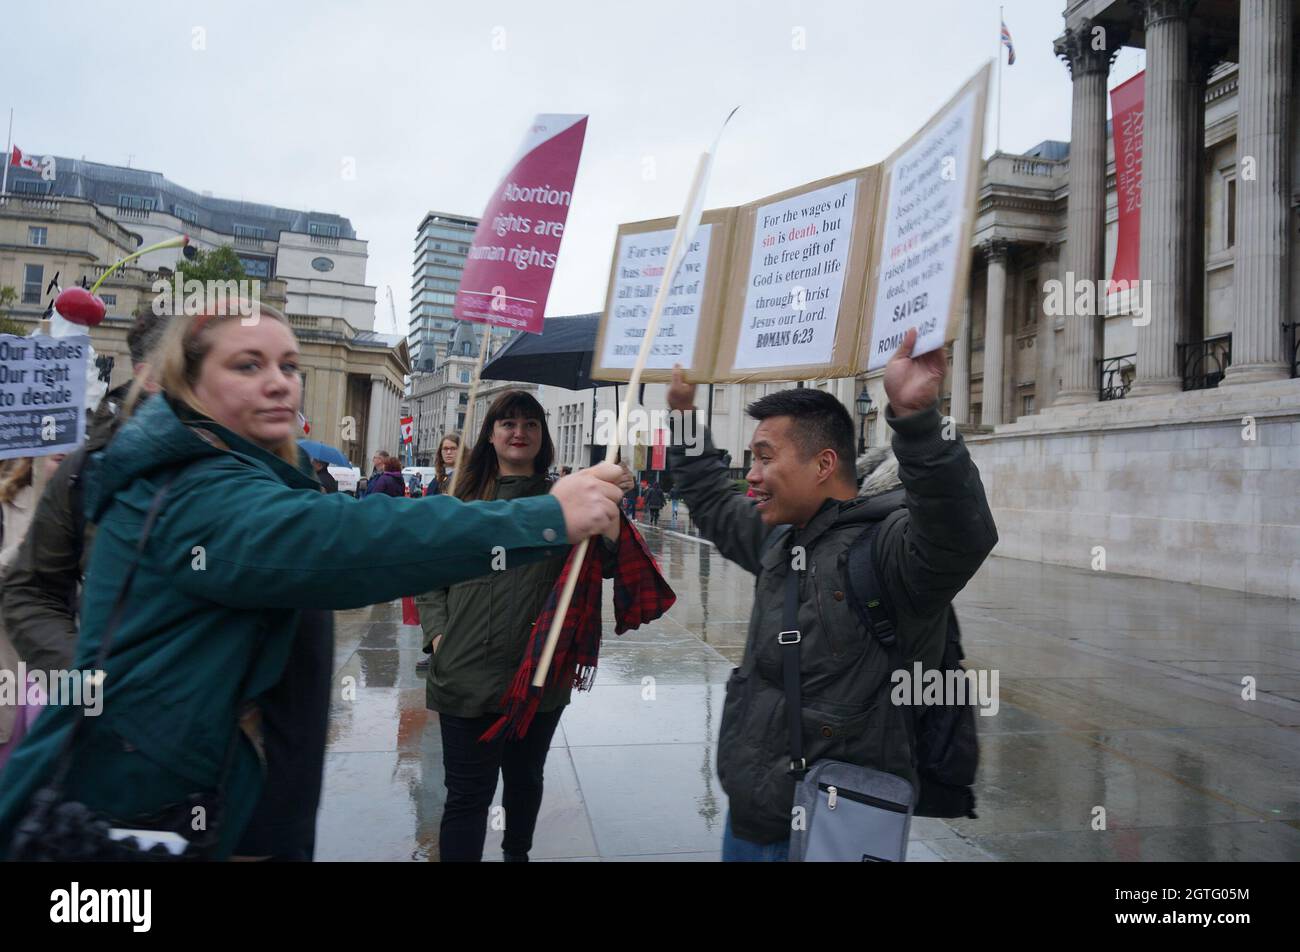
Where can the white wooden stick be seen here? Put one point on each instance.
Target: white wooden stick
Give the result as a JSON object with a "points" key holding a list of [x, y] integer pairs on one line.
{"points": [[675, 253]]}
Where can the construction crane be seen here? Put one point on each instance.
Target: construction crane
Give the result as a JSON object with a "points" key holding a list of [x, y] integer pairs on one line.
{"points": [[392, 309]]}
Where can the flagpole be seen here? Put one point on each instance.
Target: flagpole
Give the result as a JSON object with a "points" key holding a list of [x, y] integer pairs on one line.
{"points": [[677, 250], [997, 145], [9, 153]]}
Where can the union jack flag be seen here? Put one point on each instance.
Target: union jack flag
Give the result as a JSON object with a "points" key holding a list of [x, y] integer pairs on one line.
{"points": [[1006, 41]]}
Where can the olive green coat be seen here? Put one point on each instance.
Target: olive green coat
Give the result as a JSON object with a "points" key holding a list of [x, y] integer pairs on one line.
{"points": [[485, 624]]}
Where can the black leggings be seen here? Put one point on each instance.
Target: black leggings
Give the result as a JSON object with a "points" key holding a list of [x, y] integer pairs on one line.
{"points": [[472, 769]]}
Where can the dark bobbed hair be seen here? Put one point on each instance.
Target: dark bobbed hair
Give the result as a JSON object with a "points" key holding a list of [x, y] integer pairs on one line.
{"points": [[146, 330], [392, 465], [478, 481], [820, 422]]}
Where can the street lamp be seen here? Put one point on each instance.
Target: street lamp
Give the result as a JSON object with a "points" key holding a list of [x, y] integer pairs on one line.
{"points": [[864, 408]]}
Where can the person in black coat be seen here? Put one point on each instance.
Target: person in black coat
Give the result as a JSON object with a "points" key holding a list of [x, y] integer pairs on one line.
{"points": [[654, 501], [327, 480]]}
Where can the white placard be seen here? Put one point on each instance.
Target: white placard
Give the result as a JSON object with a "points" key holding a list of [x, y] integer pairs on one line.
{"points": [[42, 394], [924, 219], [637, 277], [796, 276]]}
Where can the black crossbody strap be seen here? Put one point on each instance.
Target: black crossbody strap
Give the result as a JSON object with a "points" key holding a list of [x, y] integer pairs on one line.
{"points": [[110, 629], [789, 639], [872, 604]]}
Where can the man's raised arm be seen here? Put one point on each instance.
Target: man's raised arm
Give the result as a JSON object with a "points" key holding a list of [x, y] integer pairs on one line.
{"points": [[725, 517]]}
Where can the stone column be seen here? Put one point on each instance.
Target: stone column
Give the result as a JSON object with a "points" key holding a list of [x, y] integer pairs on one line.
{"points": [[959, 407], [1164, 248], [1046, 373], [390, 422], [1294, 130], [1202, 59], [1085, 248], [994, 333], [374, 421], [1260, 280]]}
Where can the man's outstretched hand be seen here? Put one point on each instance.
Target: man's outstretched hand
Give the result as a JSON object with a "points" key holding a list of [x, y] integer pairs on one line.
{"points": [[681, 395], [914, 383]]}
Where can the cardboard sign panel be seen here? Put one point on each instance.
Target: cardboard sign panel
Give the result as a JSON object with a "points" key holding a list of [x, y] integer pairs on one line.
{"points": [[819, 281], [42, 393], [798, 276], [921, 266], [688, 328]]}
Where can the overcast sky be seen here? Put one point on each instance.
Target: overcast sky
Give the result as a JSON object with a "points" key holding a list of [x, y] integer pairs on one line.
{"points": [[417, 95]]}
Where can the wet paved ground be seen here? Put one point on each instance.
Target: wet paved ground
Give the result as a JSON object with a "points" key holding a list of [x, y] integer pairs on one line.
{"points": [[1115, 692]]}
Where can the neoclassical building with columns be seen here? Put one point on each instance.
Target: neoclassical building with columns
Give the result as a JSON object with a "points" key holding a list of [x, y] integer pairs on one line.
{"points": [[1156, 434], [1159, 436]]}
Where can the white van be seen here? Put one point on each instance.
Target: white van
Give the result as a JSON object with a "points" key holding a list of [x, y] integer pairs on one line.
{"points": [[428, 476]]}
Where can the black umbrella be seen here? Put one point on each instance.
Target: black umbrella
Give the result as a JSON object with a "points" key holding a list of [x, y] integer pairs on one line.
{"points": [[560, 357]]}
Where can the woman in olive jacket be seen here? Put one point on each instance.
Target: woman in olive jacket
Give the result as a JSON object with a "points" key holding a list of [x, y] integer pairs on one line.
{"points": [[243, 541], [478, 632]]}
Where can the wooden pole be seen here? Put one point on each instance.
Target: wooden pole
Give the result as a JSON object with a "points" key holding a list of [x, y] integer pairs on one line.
{"points": [[675, 252], [38, 462]]}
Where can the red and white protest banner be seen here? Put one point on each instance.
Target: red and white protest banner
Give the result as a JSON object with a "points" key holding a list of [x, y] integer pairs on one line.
{"points": [[408, 428], [1127, 104], [512, 259], [659, 451]]}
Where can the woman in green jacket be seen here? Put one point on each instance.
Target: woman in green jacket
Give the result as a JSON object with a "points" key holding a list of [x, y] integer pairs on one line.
{"points": [[478, 632], [243, 540]]}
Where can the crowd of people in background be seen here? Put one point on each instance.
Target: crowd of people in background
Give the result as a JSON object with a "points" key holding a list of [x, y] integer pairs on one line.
{"points": [[643, 502]]}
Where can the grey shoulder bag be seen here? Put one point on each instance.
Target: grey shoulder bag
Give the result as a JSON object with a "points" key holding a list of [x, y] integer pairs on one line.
{"points": [[843, 812]]}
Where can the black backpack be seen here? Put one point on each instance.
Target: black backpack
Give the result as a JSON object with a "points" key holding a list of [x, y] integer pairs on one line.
{"points": [[945, 747]]}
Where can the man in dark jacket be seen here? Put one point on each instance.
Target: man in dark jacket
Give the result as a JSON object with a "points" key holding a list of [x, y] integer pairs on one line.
{"points": [[934, 534], [40, 592], [654, 501]]}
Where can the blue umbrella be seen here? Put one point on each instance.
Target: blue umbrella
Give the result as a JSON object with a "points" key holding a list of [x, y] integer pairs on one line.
{"points": [[326, 454]]}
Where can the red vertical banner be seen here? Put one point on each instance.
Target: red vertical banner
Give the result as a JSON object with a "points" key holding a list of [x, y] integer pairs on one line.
{"points": [[659, 453], [1127, 103], [512, 259]]}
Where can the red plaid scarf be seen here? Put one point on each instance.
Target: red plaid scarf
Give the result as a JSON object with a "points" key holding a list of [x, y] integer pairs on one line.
{"points": [[640, 595]]}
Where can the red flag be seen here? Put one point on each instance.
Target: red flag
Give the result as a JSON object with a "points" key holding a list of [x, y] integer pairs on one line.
{"points": [[32, 162]]}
